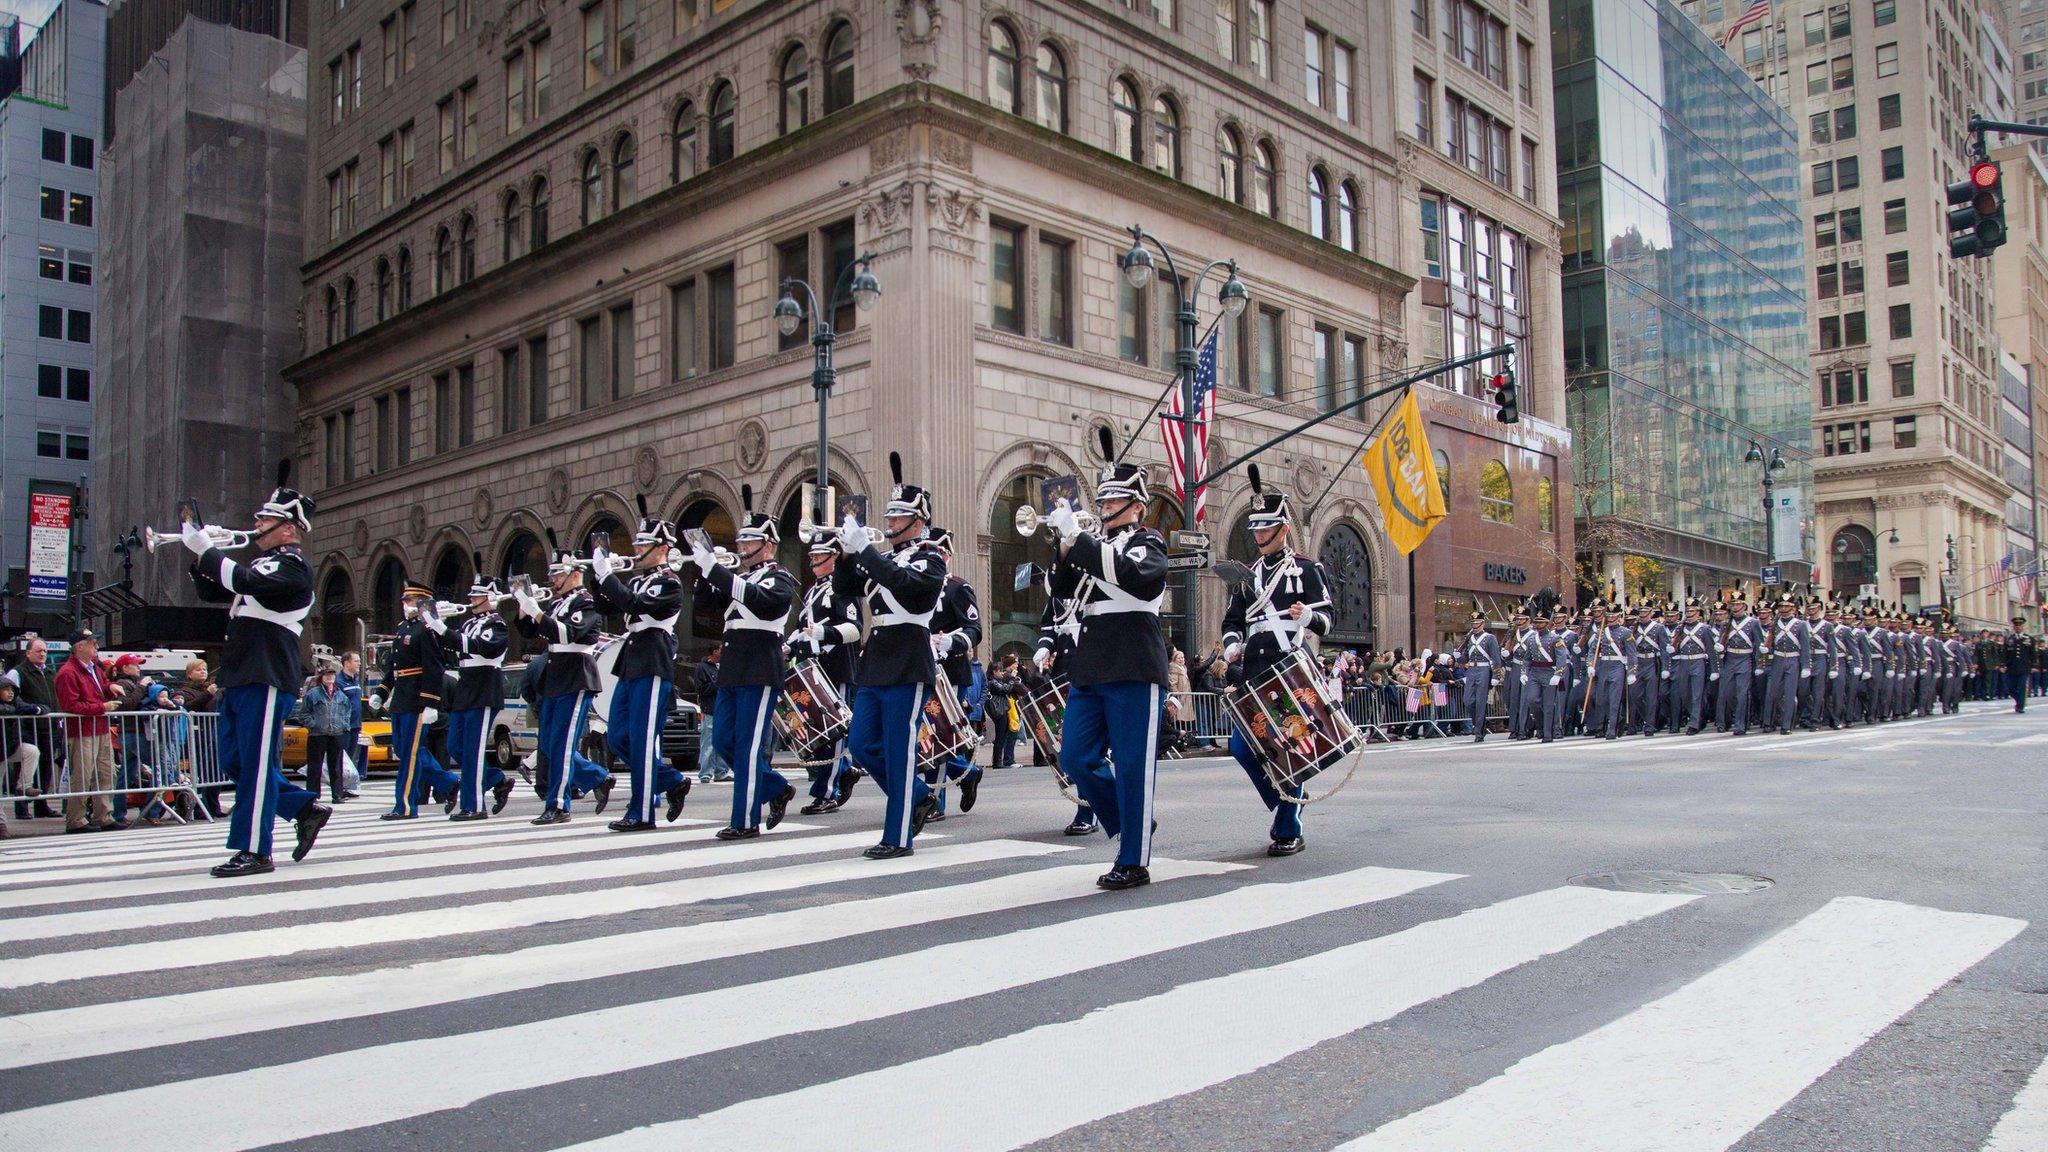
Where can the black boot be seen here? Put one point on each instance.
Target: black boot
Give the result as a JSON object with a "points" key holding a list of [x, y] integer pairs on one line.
{"points": [[780, 805], [399, 816], [847, 780], [738, 833], [603, 791], [1119, 878], [628, 824], [970, 787], [311, 819], [466, 817], [243, 864], [551, 815], [675, 797], [501, 795], [1082, 828], [887, 852], [819, 807], [922, 814], [1285, 846]]}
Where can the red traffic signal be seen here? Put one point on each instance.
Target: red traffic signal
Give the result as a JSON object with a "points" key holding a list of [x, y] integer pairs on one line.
{"points": [[1984, 174], [1976, 220]]}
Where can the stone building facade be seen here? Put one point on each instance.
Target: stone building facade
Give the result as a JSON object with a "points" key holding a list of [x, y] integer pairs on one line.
{"points": [[547, 243]]}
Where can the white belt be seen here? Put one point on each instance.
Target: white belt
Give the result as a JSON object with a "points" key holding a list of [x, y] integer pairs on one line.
{"points": [[1285, 629], [893, 619], [1614, 660], [774, 626], [1740, 651], [577, 648], [293, 620], [483, 662], [652, 623], [1698, 656]]}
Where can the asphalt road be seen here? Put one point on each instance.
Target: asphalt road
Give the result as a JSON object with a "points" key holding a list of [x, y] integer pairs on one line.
{"points": [[1426, 976]]}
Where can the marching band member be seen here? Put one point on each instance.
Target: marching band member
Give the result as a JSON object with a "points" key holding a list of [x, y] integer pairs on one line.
{"points": [[568, 684], [1745, 644], [477, 644], [268, 600], [1694, 658], [900, 592], [956, 633], [1117, 677], [756, 601], [645, 692], [1270, 615], [1059, 629], [417, 676], [1476, 662], [828, 631]]}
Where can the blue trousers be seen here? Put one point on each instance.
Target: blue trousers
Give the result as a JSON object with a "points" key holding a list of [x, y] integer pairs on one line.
{"points": [[740, 727], [1118, 720], [640, 707], [883, 740], [469, 738], [251, 730], [418, 771], [823, 786], [570, 775]]}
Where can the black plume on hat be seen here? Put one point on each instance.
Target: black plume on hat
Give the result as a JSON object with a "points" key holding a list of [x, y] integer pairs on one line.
{"points": [[286, 503], [481, 584], [906, 499], [1268, 508], [1118, 481]]}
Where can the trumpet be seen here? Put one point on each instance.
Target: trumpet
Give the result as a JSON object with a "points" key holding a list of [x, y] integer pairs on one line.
{"points": [[448, 610], [612, 563], [1029, 520], [222, 538]]}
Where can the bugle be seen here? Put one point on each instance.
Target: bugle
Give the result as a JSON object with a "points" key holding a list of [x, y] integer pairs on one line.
{"points": [[222, 538], [1029, 520], [612, 563]]}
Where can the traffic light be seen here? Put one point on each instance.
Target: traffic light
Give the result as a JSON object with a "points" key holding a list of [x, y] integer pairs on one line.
{"points": [[1976, 217], [1507, 405]]}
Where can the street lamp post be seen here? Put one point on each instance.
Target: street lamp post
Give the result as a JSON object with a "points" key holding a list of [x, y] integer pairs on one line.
{"points": [[858, 280], [1773, 463], [1138, 268]]}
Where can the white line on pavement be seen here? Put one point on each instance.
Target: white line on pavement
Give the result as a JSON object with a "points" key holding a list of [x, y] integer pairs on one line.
{"points": [[1696, 1070], [2025, 1127]]}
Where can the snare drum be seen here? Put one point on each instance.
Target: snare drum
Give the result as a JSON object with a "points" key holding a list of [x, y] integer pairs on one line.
{"points": [[943, 731], [1044, 712], [1289, 717], [810, 716]]}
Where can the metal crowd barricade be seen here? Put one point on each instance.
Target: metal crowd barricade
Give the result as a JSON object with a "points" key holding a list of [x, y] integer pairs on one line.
{"points": [[155, 753], [1203, 718]]}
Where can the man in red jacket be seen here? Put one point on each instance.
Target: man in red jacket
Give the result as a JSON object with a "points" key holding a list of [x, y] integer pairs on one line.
{"points": [[85, 693]]}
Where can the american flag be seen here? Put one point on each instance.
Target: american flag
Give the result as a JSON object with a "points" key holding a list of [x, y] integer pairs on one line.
{"points": [[1760, 10], [1204, 388]]}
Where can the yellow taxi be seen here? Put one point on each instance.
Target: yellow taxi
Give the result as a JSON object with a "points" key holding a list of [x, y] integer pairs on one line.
{"points": [[377, 732]]}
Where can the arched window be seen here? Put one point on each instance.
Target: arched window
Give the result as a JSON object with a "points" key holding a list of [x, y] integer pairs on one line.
{"points": [[465, 249], [1546, 504], [794, 80], [524, 556], [383, 290], [1052, 88], [1265, 179], [1496, 493], [1123, 120], [705, 623], [453, 574], [348, 307], [1318, 204], [1230, 166], [1443, 475], [838, 67], [625, 165], [333, 315], [682, 148], [512, 225], [385, 588], [1349, 227], [721, 123], [1166, 136], [1349, 568], [404, 279], [1163, 517], [537, 213], [1011, 615], [1854, 559], [1004, 65], [444, 261], [1240, 546], [590, 189], [337, 611]]}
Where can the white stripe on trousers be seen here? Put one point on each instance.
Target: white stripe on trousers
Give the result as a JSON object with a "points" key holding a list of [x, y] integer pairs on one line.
{"points": [[910, 760], [562, 767], [1151, 778], [262, 773], [644, 770], [483, 733], [754, 767]]}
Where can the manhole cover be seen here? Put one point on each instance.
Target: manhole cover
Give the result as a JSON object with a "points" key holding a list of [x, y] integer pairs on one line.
{"points": [[1674, 881]]}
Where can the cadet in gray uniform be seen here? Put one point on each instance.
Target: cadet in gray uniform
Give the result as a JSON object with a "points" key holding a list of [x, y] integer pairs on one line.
{"points": [[1791, 648], [1738, 666], [1694, 657], [1476, 661]]}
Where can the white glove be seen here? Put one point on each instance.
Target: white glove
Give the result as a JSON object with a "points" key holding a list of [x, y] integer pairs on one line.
{"points": [[434, 623], [1231, 652], [1834, 673], [1557, 681], [428, 716], [528, 606], [1805, 672], [1631, 678], [1042, 658], [940, 642], [816, 635], [1713, 675], [1664, 675], [1063, 521], [1525, 681], [194, 536], [852, 537], [1866, 675], [704, 558]]}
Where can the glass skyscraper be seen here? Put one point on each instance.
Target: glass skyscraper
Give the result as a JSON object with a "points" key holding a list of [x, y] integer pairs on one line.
{"points": [[1684, 294]]}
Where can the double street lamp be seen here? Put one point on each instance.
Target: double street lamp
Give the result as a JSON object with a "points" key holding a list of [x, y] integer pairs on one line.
{"points": [[857, 280], [1773, 463], [1139, 269]]}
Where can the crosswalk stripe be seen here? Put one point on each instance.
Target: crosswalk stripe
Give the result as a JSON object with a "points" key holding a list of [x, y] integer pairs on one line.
{"points": [[2037, 738], [1696, 1070], [535, 848], [2025, 1127], [494, 915], [211, 840], [194, 831], [191, 862], [99, 1029], [384, 1083], [1197, 1035], [700, 853]]}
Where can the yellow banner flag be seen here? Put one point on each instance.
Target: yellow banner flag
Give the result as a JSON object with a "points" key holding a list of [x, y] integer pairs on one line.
{"points": [[1403, 474]]}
